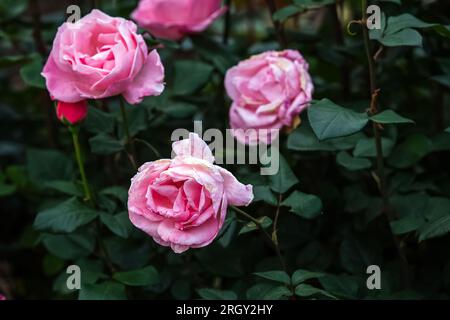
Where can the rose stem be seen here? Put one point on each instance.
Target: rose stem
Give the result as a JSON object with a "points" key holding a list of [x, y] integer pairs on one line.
{"points": [[275, 232], [227, 22], [130, 141], [279, 29], [76, 145], [378, 142], [260, 227]]}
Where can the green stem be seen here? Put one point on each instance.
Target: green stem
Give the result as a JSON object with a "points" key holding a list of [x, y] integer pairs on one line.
{"points": [[275, 233], [260, 227], [76, 145], [130, 141]]}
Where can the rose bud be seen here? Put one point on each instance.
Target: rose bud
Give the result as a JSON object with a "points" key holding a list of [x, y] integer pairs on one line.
{"points": [[73, 113]]}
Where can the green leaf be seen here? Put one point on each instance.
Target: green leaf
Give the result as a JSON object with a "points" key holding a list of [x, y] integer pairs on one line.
{"points": [[137, 119], [406, 224], [352, 163], [117, 192], [180, 110], [301, 275], [307, 206], [356, 254], [287, 12], [71, 246], [410, 152], [437, 207], [442, 79], [9, 61], [304, 139], [6, 189], [266, 291], [340, 286], [278, 276], [405, 37], [66, 187], [442, 30], [104, 144], [48, 165], [98, 121], [190, 76], [447, 130], [389, 116], [251, 226], [284, 179], [31, 73], [52, 264], [399, 31], [366, 147], [104, 291], [126, 253], [141, 277], [306, 290], [65, 217], [119, 223], [328, 120], [213, 294], [216, 53], [12, 8], [263, 193], [435, 228], [404, 21], [92, 270]]}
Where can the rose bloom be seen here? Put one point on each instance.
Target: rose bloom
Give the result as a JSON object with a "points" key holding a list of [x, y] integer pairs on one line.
{"points": [[182, 202], [100, 56], [268, 91], [73, 113], [173, 19]]}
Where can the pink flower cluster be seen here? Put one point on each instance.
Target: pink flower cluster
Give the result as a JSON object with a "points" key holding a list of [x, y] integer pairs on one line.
{"points": [[182, 202]]}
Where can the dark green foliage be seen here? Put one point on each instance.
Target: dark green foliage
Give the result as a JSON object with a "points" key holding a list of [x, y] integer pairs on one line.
{"points": [[323, 209]]}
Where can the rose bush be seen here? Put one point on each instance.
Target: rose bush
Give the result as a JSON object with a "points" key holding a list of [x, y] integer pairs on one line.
{"points": [[359, 183]]}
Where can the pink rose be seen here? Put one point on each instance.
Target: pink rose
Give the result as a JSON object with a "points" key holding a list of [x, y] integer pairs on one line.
{"points": [[182, 202], [268, 91], [100, 56], [72, 112], [173, 19], [2, 297]]}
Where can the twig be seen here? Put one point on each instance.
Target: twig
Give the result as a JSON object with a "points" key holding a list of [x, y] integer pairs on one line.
{"points": [[260, 227], [344, 70], [279, 29], [374, 93], [150, 146], [275, 233], [130, 141], [227, 23]]}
